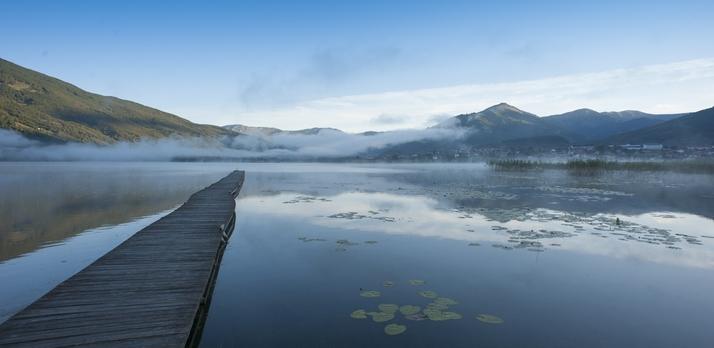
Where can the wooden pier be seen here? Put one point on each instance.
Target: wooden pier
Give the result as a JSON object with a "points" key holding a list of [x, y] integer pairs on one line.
{"points": [[153, 290]]}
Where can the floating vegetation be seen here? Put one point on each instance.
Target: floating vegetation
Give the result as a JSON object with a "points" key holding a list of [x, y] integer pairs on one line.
{"points": [[307, 240], [306, 199], [394, 329], [437, 310], [600, 225], [408, 310], [370, 293], [359, 314], [380, 317], [474, 244], [428, 294], [490, 195], [345, 242], [594, 166], [388, 308], [489, 319], [451, 315], [437, 306], [582, 191], [437, 315], [353, 215], [371, 242], [445, 301], [416, 317]]}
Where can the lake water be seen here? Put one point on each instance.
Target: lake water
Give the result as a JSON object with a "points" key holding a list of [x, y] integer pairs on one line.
{"points": [[545, 259]]}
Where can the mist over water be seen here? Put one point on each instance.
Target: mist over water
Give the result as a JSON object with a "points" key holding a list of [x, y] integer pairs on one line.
{"points": [[325, 143]]}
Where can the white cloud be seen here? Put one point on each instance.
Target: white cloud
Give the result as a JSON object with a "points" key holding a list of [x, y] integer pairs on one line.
{"points": [[673, 87]]}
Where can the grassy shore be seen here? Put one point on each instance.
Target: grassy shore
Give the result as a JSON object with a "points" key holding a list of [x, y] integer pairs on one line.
{"points": [[595, 166]]}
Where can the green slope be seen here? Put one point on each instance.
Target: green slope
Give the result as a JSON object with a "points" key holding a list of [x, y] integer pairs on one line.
{"points": [[691, 130], [45, 108]]}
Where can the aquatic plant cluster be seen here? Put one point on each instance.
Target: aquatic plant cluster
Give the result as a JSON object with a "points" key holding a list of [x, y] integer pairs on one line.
{"points": [[594, 166], [352, 215], [306, 199], [582, 194], [436, 310], [342, 244], [601, 225]]}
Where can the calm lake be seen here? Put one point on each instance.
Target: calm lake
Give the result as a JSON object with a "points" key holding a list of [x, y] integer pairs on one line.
{"points": [[392, 255]]}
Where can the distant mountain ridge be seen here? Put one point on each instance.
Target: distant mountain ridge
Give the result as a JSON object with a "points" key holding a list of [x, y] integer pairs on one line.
{"points": [[693, 129], [45, 108], [270, 131], [502, 122], [589, 125]]}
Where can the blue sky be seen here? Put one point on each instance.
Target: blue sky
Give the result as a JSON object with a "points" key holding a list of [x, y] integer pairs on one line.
{"points": [[368, 64]]}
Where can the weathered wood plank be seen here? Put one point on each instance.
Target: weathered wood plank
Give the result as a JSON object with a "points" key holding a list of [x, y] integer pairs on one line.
{"points": [[150, 291]]}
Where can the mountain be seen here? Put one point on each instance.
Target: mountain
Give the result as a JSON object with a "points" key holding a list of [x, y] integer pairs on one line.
{"points": [[45, 108], [256, 131], [690, 130], [269, 131], [501, 123], [590, 125]]}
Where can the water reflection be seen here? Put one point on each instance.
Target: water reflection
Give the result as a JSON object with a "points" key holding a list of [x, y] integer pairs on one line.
{"points": [[57, 218], [673, 238], [324, 258], [44, 203], [30, 276]]}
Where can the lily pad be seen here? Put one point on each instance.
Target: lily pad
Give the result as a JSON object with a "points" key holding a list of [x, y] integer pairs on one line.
{"points": [[408, 310], [437, 315], [451, 315], [428, 294], [370, 293], [388, 283], [379, 317], [437, 306], [489, 319], [388, 308], [394, 329], [445, 301], [416, 317], [416, 282], [432, 313], [359, 314]]}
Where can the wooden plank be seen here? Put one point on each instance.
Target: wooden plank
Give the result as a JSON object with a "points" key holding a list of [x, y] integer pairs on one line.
{"points": [[152, 290]]}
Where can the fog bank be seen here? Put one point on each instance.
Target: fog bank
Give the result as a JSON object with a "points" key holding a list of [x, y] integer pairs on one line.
{"points": [[326, 143]]}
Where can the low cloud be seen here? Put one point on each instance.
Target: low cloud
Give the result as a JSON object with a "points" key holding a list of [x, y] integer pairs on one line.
{"points": [[333, 143], [326, 143]]}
